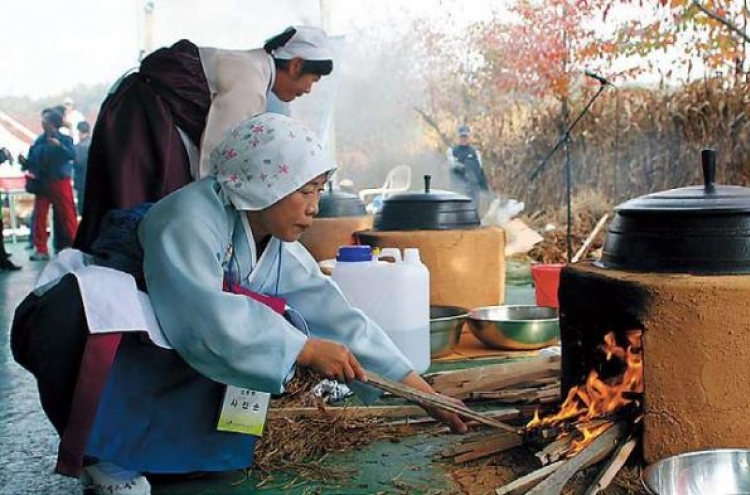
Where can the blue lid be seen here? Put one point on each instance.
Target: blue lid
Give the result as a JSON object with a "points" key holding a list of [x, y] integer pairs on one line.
{"points": [[354, 253]]}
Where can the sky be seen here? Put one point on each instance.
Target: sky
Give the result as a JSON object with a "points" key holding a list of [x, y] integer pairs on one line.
{"points": [[50, 46]]}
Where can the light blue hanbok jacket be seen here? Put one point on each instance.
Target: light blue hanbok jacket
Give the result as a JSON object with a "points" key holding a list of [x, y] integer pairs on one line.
{"points": [[159, 409]]}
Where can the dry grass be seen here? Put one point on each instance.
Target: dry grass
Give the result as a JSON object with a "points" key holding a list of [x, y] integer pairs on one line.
{"points": [[632, 142]]}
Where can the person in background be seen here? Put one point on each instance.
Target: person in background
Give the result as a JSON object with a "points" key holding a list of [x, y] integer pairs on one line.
{"points": [[157, 126], [467, 174], [71, 118], [225, 272], [79, 166], [50, 162], [5, 264]]}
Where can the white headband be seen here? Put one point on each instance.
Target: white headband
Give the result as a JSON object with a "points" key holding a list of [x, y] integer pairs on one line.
{"points": [[308, 43]]}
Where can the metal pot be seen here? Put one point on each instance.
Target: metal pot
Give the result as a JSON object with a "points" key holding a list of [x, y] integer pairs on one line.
{"points": [[699, 229], [339, 204], [428, 210], [446, 323], [715, 472], [515, 327]]}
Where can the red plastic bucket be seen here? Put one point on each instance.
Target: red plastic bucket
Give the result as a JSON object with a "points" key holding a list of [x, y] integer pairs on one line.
{"points": [[546, 282]]}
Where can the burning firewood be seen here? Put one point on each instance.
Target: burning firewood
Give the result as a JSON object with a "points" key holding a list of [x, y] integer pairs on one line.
{"points": [[555, 450], [594, 452]]}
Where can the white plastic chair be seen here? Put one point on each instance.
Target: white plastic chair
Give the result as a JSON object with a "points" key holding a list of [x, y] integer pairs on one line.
{"points": [[397, 180]]}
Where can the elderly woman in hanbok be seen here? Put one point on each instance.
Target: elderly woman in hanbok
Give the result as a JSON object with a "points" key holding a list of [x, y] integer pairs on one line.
{"points": [[158, 125], [224, 272]]}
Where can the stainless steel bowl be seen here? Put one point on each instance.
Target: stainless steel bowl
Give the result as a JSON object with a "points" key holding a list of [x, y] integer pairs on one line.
{"points": [[515, 327], [709, 472], [445, 329]]}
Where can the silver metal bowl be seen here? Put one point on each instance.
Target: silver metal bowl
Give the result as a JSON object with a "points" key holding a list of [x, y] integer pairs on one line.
{"points": [[709, 472], [515, 327], [445, 329]]}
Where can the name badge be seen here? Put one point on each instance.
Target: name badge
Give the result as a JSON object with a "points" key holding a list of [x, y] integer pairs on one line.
{"points": [[243, 411]]}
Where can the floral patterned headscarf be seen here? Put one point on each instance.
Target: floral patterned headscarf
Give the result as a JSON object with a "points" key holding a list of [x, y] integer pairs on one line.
{"points": [[266, 158]]}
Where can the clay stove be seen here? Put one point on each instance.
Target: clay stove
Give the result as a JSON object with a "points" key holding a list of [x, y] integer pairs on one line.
{"points": [[676, 265]]}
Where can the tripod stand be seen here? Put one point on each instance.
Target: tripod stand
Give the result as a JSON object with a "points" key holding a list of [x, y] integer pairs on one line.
{"points": [[565, 141]]}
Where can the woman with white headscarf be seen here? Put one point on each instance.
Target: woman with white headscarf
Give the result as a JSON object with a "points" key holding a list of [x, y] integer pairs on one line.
{"points": [[157, 126], [223, 268]]}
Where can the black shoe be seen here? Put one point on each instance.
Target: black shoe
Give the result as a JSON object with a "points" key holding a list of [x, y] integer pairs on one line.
{"points": [[7, 266]]}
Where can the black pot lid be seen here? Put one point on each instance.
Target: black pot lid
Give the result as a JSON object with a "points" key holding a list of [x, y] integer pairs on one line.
{"points": [[337, 203], [428, 195], [708, 199], [426, 210], [698, 229]]}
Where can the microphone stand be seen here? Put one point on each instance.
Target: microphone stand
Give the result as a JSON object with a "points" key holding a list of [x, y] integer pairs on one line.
{"points": [[565, 141]]}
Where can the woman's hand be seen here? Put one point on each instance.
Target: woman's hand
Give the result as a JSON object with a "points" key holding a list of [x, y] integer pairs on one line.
{"points": [[451, 419], [332, 360]]}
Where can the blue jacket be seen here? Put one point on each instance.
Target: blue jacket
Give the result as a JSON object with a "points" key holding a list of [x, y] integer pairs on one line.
{"points": [[51, 162]]}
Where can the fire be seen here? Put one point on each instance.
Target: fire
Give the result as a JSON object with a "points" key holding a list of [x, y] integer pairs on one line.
{"points": [[597, 398]]}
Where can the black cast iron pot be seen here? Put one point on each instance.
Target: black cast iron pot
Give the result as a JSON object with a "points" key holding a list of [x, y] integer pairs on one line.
{"points": [[428, 210], [339, 204], [699, 229]]}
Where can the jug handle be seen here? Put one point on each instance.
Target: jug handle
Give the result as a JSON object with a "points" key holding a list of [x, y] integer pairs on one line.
{"points": [[394, 253]]}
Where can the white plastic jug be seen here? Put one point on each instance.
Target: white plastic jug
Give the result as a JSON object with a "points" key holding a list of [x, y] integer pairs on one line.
{"points": [[395, 295]]}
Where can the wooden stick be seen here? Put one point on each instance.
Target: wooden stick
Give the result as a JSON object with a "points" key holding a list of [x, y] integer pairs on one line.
{"points": [[434, 400], [599, 449], [499, 414], [579, 254], [616, 462], [525, 483], [355, 412]]}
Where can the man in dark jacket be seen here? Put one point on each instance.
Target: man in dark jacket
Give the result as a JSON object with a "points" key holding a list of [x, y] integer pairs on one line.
{"points": [[467, 174]]}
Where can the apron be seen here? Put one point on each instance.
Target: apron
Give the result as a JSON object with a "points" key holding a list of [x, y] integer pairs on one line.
{"points": [[158, 415]]}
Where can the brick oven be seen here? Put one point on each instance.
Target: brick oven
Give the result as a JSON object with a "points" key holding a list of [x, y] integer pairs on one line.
{"points": [[676, 267]]}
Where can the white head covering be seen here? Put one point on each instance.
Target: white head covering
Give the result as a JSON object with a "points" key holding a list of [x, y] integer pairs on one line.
{"points": [[308, 43], [266, 158]]}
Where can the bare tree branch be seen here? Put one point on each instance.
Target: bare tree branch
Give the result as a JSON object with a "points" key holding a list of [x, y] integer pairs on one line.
{"points": [[431, 122], [715, 16]]}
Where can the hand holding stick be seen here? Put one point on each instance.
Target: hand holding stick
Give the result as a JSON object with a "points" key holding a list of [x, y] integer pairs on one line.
{"points": [[433, 400]]}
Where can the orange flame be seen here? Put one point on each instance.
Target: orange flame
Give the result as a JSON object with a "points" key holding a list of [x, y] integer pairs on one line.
{"points": [[598, 398]]}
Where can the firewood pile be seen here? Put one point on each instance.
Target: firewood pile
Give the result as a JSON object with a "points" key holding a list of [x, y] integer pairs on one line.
{"points": [[598, 421], [503, 453], [588, 208]]}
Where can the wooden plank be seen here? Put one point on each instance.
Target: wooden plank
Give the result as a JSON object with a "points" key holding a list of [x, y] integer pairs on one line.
{"points": [[520, 395], [525, 483], [555, 450], [436, 401], [499, 443], [460, 384], [616, 462]]}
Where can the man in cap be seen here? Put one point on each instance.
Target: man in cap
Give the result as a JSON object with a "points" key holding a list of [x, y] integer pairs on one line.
{"points": [[158, 126], [467, 174]]}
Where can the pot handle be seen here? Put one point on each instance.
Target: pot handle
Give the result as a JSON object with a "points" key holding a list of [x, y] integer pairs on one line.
{"points": [[708, 159]]}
